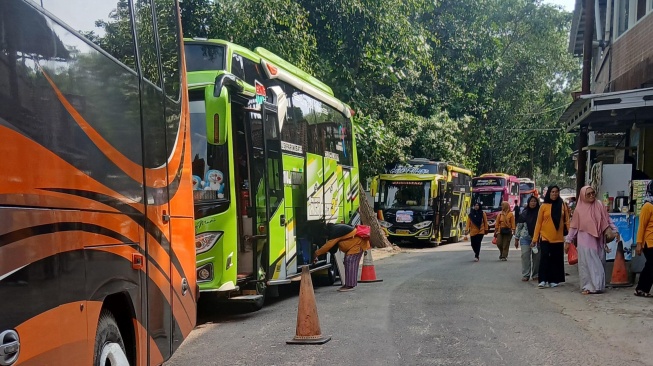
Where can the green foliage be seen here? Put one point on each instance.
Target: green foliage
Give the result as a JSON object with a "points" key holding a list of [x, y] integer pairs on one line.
{"points": [[473, 81]]}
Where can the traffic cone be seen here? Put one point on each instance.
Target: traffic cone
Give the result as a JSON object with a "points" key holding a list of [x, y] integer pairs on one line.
{"points": [[619, 274], [308, 324], [368, 274]]}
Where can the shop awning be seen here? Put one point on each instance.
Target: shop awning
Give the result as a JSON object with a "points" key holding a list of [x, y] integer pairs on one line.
{"points": [[606, 112]]}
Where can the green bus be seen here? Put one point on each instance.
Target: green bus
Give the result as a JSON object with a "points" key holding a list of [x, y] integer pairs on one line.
{"points": [[273, 160]]}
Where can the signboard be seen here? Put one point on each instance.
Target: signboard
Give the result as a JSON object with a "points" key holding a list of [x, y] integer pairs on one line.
{"points": [[407, 183], [260, 92], [625, 226], [411, 169], [487, 182], [639, 192]]}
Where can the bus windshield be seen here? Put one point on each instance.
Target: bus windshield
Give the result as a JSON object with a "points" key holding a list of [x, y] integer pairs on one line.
{"points": [[526, 186], [490, 201], [203, 57], [412, 195], [209, 162]]}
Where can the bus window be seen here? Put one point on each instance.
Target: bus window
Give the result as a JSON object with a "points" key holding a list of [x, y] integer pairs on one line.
{"points": [[455, 201], [166, 15], [146, 42], [490, 201], [246, 69], [405, 195], [209, 162], [105, 35], [200, 57], [514, 191]]}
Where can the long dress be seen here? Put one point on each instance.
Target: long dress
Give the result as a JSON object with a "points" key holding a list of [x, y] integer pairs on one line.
{"points": [[591, 257]]}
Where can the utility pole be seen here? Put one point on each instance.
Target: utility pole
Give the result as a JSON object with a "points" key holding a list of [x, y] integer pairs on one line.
{"points": [[586, 89]]}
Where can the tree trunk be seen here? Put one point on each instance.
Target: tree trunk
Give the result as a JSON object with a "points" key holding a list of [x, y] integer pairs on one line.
{"points": [[368, 217]]}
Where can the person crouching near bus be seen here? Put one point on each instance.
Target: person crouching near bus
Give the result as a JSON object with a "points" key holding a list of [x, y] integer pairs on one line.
{"points": [[349, 243], [550, 231], [477, 227], [504, 229], [530, 256]]}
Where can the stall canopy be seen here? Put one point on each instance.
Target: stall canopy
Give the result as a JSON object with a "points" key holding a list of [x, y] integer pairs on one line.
{"points": [[610, 112]]}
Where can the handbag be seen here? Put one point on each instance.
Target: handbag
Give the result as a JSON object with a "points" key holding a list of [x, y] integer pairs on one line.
{"points": [[494, 240], [609, 235], [572, 254], [637, 263]]}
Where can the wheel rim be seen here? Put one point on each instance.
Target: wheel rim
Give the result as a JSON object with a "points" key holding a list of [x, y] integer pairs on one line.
{"points": [[113, 355]]}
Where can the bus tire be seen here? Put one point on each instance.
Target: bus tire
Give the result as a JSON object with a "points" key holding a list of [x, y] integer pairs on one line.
{"points": [[332, 273], [109, 346]]}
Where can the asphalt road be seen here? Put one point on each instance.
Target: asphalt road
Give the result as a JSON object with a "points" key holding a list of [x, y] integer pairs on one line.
{"points": [[434, 307]]}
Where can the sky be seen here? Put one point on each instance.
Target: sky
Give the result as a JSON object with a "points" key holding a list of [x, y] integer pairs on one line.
{"points": [[568, 5]]}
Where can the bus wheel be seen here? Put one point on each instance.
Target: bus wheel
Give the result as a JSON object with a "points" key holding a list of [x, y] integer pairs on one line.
{"points": [[332, 273], [109, 347], [261, 289]]}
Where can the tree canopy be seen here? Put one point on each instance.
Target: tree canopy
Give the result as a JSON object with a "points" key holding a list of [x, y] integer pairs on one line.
{"points": [[478, 82]]}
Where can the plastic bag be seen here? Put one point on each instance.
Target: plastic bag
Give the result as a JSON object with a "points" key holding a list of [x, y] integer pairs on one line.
{"points": [[572, 255], [363, 231], [494, 241]]}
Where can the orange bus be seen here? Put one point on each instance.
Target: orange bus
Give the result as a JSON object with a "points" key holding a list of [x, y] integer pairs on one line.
{"points": [[97, 252]]}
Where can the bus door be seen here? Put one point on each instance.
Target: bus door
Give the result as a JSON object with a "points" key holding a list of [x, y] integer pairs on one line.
{"points": [[447, 213], [266, 171], [439, 211]]}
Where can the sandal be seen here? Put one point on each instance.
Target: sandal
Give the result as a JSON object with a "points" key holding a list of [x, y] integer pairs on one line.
{"points": [[525, 279], [641, 293], [586, 292]]}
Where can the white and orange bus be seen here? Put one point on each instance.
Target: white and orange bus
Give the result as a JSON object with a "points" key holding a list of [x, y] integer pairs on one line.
{"points": [[97, 251]]}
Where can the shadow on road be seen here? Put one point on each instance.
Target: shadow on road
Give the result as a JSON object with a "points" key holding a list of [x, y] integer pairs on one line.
{"points": [[212, 310]]}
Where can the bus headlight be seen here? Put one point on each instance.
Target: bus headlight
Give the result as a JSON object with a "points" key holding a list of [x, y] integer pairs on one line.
{"points": [[205, 273], [205, 241], [385, 224], [422, 225]]}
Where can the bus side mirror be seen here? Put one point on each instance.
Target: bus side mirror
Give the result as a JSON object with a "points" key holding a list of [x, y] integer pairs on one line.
{"points": [[226, 81], [218, 116]]}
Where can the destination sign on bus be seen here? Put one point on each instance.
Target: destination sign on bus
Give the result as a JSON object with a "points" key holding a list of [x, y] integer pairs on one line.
{"points": [[487, 182], [412, 169]]}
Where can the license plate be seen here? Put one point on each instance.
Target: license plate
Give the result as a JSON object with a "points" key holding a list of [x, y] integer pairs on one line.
{"points": [[403, 231], [404, 216]]}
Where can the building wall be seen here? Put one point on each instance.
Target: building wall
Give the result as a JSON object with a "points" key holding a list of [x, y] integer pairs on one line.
{"points": [[632, 58]]}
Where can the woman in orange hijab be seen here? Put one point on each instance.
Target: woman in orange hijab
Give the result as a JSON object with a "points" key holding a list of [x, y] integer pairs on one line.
{"points": [[588, 223], [504, 229]]}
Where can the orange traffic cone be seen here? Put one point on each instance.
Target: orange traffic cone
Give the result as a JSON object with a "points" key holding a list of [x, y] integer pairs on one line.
{"points": [[619, 273], [308, 324], [368, 274]]}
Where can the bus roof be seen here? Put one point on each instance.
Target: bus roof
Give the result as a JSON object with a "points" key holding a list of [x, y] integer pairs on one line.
{"points": [[277, 68], [502, 175], [293, 69]]}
